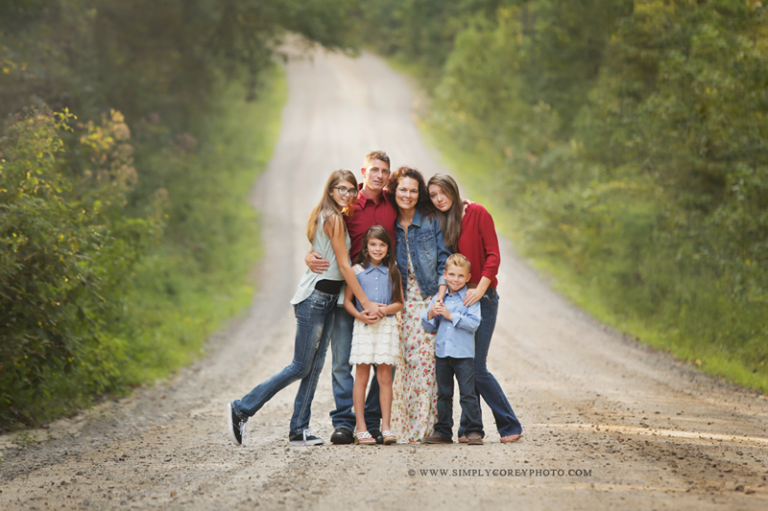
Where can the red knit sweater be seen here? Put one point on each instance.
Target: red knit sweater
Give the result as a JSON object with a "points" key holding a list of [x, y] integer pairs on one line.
{"points": [[478, 242]]}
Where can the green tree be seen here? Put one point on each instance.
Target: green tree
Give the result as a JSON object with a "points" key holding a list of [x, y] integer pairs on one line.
{"points": [[64, 247], [629, 140], [81, 201]]}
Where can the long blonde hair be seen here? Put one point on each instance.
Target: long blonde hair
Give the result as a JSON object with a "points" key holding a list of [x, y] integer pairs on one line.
{"points": [[327, 207], [450, 221]]}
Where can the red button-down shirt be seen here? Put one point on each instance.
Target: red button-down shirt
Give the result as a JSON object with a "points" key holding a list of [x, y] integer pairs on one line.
{"points": [[367, 214], [478, 243]]}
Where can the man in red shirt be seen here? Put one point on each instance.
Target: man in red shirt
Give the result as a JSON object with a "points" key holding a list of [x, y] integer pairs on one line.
{"points": [[372, 208]]}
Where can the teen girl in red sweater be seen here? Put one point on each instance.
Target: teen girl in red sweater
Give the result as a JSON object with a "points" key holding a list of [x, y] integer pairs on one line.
{"points": [[469, 230]]}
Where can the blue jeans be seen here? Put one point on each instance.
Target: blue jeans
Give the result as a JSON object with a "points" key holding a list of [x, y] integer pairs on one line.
{"points": [[314, 327], [343, 382], [463, 369], [485, 384]]}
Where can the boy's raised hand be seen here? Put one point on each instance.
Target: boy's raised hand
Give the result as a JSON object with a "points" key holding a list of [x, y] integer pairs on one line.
{"points": [[441, 310], [433, 310]]}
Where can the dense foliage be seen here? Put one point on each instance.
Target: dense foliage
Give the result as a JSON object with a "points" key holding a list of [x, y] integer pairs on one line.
{"points": [[632, 145], [125, 154], [626, 138]]}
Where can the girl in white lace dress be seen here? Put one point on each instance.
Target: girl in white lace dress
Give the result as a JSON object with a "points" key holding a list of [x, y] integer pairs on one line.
{"points": [[374, 338]]}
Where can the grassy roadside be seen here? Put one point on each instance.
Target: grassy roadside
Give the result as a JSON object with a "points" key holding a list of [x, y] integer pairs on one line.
{"points": [[475, 171], [191, 285], [196, 276]]}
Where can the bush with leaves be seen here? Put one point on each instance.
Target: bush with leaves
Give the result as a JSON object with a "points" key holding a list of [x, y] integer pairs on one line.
{"points": [[64, 246]]}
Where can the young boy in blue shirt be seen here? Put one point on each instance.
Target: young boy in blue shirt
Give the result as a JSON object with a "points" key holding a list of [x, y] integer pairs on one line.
{"points": [[455, 353]]}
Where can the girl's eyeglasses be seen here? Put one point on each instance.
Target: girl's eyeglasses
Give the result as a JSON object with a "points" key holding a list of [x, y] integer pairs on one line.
{"points": [[345, 191]]}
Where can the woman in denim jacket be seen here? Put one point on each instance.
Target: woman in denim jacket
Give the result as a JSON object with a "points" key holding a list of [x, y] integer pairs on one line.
{"points": [[421, 255]]}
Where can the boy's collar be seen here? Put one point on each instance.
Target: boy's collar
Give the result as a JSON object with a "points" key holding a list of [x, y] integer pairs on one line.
{"points": [[461, 292]]}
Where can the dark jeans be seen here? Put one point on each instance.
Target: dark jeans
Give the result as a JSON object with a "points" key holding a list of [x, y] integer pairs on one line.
{"points": [[485, 384], [314, 326], [342, 381], [463, 368]]}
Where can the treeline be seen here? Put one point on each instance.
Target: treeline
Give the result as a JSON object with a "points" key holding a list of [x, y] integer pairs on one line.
{"points": [[629, 140], [126, 152]]}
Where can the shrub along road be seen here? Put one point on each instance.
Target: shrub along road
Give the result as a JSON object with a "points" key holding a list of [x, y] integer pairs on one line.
{"points": [[608, 422]]}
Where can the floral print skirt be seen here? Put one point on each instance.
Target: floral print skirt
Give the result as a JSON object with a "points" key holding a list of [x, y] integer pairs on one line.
{"points": [[414, 393]]}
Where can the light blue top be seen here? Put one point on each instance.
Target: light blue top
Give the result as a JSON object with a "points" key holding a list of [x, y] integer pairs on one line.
{"points": [[455, 339], [375, 283], [321, 244]]}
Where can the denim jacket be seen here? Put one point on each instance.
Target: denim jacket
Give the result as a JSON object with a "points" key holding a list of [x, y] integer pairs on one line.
{"points": [[428, 253]]}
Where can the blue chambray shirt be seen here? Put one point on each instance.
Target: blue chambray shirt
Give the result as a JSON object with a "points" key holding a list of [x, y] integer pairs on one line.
{"points": [[455, 339], [375, 283]]}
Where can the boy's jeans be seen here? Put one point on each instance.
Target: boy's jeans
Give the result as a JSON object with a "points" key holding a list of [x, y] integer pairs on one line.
{"points": [[343, 383], [463, 369], [314, 327], [485, 384]]}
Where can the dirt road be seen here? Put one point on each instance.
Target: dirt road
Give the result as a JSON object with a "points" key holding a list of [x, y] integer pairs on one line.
{"points": [[608, 423]]}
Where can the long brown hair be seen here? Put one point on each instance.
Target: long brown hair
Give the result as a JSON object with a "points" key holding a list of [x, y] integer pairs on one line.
{"points": [[327, 206], [423, 205], [364, 259], [450, 221]]}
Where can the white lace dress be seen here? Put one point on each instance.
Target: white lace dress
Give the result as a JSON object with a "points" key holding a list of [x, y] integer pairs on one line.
{"points": [[377, 343]]}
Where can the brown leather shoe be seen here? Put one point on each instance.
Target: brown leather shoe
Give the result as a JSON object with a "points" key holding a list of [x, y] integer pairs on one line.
{"points": [[437, 439], [474, 439]]}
